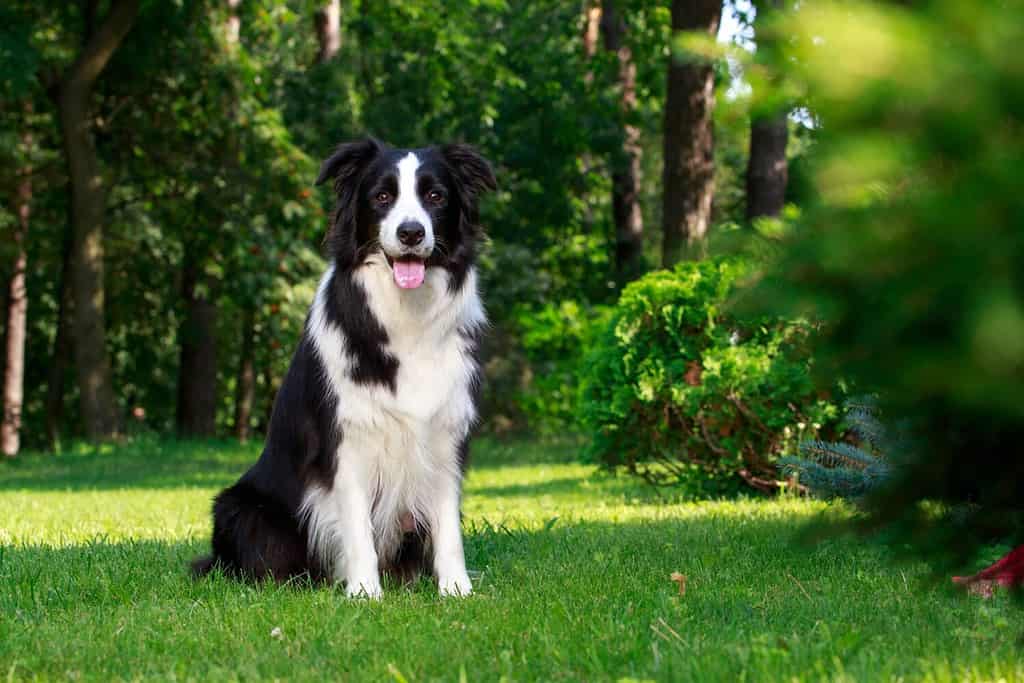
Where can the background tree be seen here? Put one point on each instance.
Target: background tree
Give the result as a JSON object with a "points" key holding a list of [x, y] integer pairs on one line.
{"points": [[74, 93], [211, 229], [626, 164], [200, 276], [60, 355], [17, 307], [688, 181], [327, 22], [768, 166]]}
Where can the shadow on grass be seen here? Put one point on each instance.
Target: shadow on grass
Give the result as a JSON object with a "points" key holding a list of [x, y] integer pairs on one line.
{"points": [[490, 452], [610, 488], [147, 462], [547, 487], [742, 566], [39, 577], [140, 463]]}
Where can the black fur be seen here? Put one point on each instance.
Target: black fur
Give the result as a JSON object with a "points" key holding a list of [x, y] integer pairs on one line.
{"points": [[257, 531], [367, 339]]}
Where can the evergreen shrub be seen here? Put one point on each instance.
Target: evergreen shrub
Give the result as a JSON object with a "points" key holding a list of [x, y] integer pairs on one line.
{"points": [[680, 390], [849, 469]]}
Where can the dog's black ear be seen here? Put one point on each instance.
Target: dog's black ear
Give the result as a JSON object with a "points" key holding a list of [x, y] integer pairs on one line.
{"points": [[347, 160], [471, 170], [345, 166]]}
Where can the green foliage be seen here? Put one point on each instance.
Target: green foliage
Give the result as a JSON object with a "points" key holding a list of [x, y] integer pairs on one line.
{"points": [[912, 250], [554, 338], [198, 160], [209, 155], [681, 390], [18, 58], [842, 469]]}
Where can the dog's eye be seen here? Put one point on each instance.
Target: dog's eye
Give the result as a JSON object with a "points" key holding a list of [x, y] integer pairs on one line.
{"points": [[435, 196], [383, 197]]}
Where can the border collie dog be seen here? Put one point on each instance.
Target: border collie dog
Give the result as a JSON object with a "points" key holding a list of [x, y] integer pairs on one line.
{"points": [[362, 469]]}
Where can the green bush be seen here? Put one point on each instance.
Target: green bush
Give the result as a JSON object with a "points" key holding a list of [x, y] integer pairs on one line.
{"points": [[680, 390]]}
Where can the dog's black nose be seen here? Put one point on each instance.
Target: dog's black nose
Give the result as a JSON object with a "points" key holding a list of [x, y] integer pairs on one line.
{"points": [[410, 234]]}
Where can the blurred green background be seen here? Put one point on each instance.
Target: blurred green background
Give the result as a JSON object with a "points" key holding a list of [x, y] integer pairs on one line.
{"points": [[207, 125]]}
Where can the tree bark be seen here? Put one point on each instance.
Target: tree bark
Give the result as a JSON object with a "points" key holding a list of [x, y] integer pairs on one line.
{"points": [[592, 13], [245, 388], [626, 212], [689, 171], [591, 34], [196, 413], [767, 166], [327, 21], [99, 411], [271, 385], [233, 25], [61, 354], [197, 367], [17, 312]]}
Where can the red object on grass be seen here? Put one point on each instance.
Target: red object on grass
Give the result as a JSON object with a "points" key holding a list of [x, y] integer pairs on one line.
{"points": [[1007, 572]]}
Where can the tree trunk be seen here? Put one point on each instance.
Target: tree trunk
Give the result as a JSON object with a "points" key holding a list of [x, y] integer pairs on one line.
{"points": [[62, 351], [689, 171], [327, 21], [767, 167], [271, 385], [99, 411], [17, 311], [233, 24], [245, 388], [629, 221], [592, 13], [197, 367], [196, 413]]}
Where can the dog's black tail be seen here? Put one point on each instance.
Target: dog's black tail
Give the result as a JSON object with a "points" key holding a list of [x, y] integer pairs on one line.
{"points": [[201, 566]]}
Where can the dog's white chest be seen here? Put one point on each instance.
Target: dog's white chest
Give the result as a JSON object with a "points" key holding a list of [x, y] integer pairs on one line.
{"points": [[431, 382], [400, 435], [431, 391]]}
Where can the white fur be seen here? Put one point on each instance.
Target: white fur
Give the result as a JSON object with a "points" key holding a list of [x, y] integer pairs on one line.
{"points": [[399, 450], [407, 208]]}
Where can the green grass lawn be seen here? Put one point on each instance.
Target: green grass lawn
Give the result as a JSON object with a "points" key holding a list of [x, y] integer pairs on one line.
{"points": [[573, 584]]}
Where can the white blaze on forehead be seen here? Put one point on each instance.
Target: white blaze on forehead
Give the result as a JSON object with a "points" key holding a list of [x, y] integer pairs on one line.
{"points": [[407, 208]]}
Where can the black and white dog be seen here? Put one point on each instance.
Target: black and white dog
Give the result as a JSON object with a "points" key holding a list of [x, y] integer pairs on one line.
{"points": [[362, 469]]}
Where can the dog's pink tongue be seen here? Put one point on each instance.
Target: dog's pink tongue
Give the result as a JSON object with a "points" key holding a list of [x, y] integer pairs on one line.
{"points": [[409, 274]]}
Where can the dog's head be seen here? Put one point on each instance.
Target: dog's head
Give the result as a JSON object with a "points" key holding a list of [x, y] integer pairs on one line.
{"points": [[418, 207]]}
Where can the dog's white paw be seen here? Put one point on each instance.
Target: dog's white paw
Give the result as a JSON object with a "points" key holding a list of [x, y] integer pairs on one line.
{"points": [[457, 585], [367, 587]]}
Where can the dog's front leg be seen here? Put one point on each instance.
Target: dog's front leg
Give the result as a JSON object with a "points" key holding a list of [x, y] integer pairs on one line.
{"points": [[358, 562], [449, 557]]}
